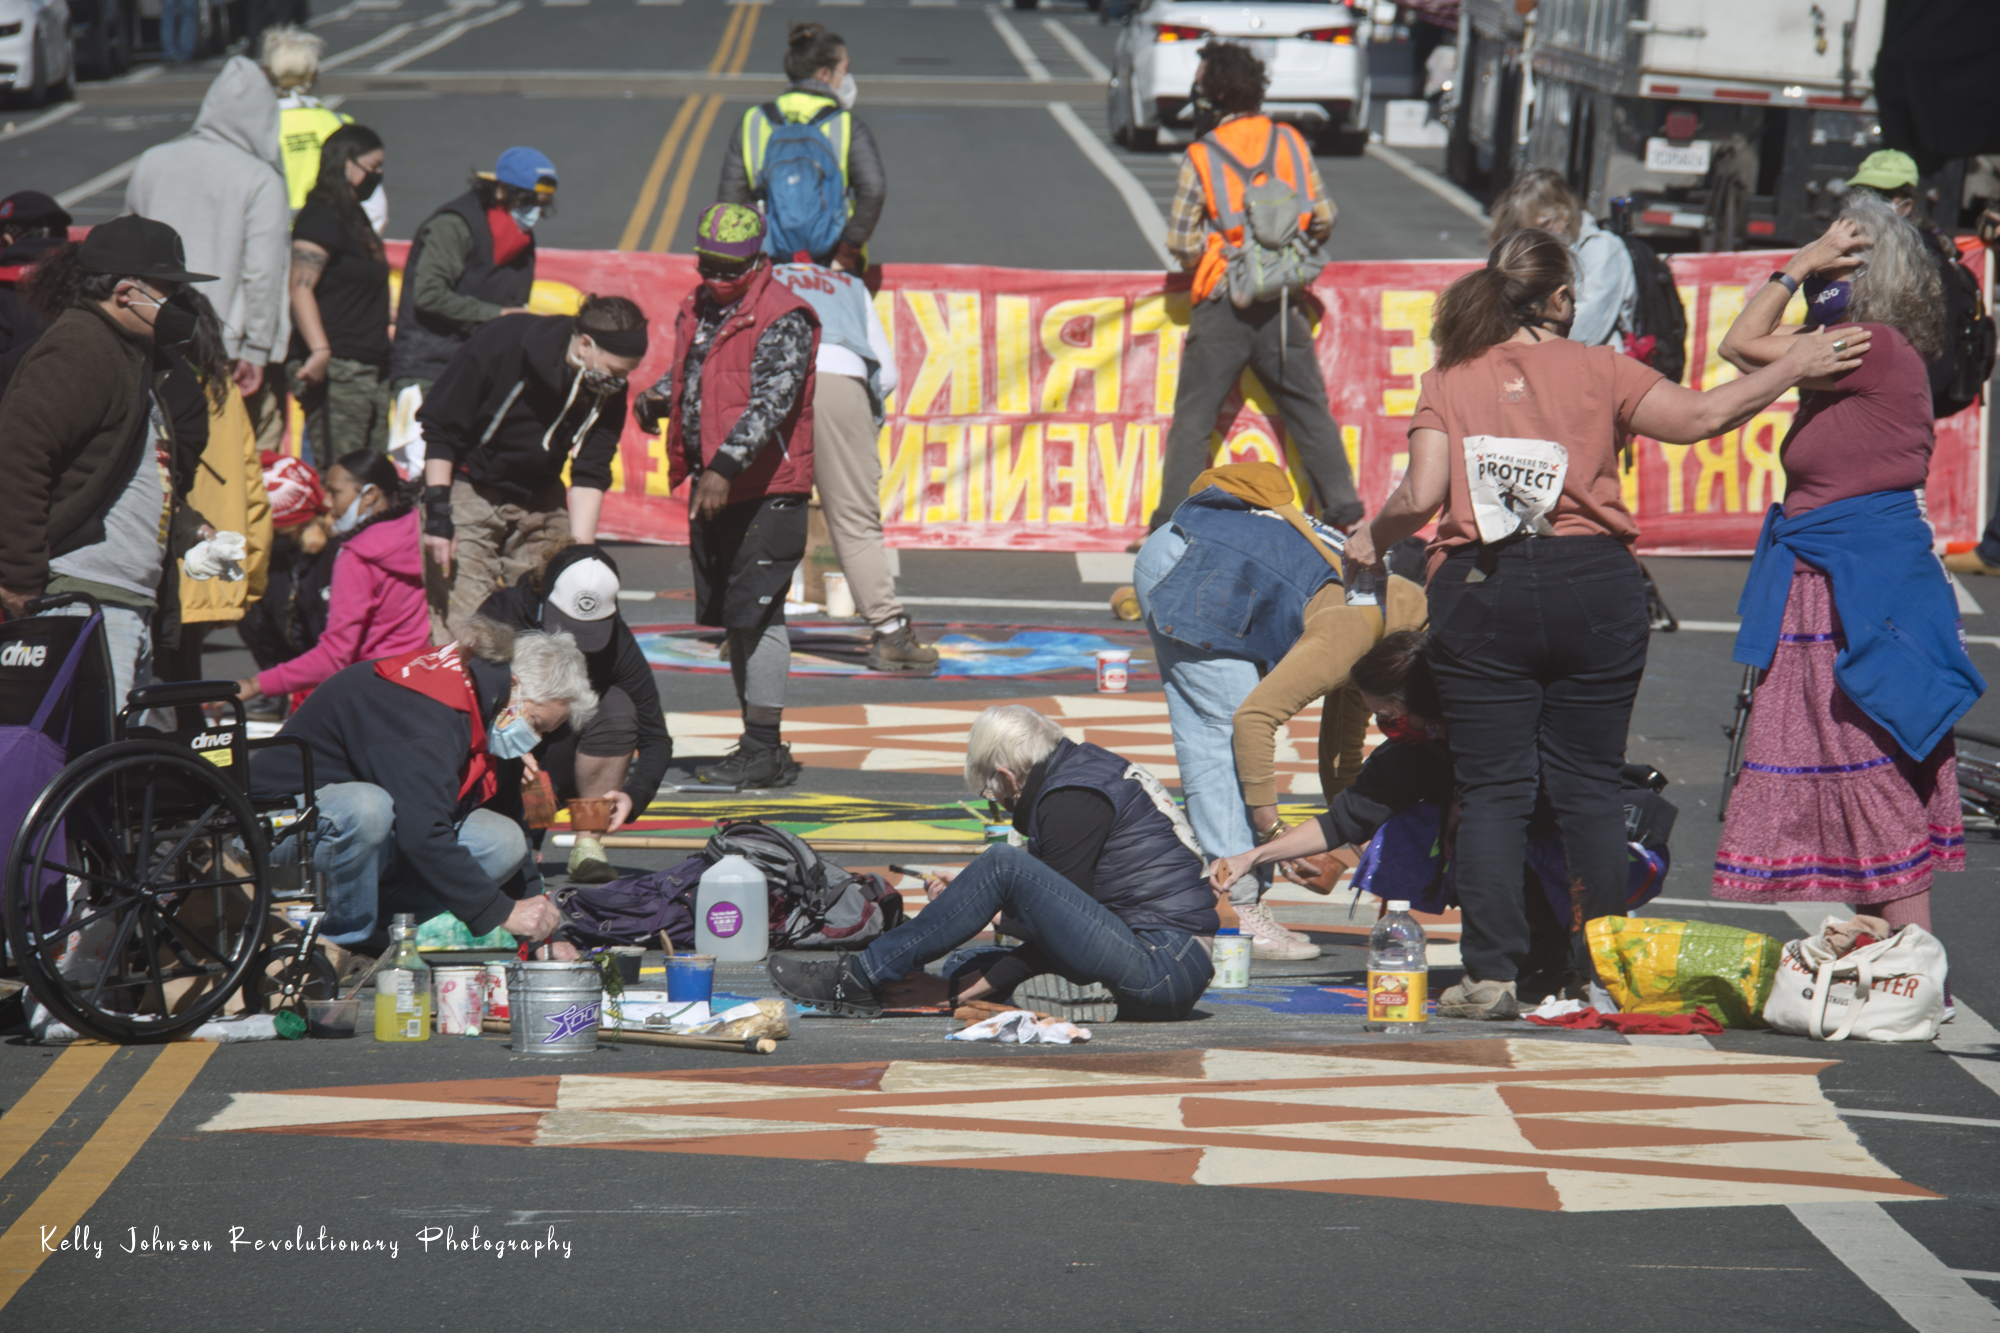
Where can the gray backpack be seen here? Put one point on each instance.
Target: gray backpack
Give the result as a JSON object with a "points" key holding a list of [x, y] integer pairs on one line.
{"points": [[1276, 257]]}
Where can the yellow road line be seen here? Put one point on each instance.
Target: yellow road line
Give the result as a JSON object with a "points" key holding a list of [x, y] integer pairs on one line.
{"points": [[740, 16], [81, 1183], [677, 197], [28, 1119]]}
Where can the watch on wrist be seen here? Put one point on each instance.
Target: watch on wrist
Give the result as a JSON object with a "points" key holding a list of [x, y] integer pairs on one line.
{"points": [[1786, 280]]}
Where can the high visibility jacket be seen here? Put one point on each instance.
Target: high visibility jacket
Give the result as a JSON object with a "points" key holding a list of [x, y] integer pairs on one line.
{"points": [[301, 131], [796, 105], [1247, 139]]}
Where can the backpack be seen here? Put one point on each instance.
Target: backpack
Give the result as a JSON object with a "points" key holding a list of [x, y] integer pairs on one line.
{"points": [[1660, 316], [1276, 258], [805, 192], [1958, 378], [634, 910], [814, 905]]}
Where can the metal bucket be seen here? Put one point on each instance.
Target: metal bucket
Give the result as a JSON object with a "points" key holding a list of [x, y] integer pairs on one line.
{"points": [[553, 1007]]}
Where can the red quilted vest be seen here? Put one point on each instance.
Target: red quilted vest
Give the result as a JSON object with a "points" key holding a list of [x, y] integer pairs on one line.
{"points": [[783, 467]]}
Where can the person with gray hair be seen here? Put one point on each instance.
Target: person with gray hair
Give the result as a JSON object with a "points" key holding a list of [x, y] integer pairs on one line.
{"points": [[417, 780], [1109, 888]]}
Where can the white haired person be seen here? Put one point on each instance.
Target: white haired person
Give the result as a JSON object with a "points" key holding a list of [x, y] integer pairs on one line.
{"points": [[408, 758], [1849, 787], [289, 57], [1109, 888]]}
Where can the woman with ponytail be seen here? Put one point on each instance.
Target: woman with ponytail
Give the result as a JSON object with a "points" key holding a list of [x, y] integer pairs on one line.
{"points": [[339, 358], [1538, 623]]}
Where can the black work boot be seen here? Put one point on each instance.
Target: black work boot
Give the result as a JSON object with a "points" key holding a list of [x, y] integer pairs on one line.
{"points": [[830, 982], [748, 767], [900, 651]]}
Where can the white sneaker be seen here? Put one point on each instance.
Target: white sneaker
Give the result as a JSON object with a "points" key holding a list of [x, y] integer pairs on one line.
{"points": [[1270, 940]]}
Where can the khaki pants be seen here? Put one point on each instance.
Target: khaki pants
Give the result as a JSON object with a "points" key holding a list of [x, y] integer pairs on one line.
{"points": [[349, 410], [847, 470], [497, 543]]}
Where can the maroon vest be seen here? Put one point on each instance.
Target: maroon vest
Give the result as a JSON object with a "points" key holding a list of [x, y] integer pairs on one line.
{"points": [[781, 468]]}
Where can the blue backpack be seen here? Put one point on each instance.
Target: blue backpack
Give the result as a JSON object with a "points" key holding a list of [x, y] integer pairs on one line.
{"points": [[805, 193]]}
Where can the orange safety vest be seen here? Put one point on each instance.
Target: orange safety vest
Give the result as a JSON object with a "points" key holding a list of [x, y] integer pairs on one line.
{"points": [[1246, 139]]}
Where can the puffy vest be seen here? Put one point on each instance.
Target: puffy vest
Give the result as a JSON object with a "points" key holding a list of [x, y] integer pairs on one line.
{"points": [[1247, 139], [301, 131], [797, 105], [425, 343], [784, 467], [1241, 587], [1150, 874]]}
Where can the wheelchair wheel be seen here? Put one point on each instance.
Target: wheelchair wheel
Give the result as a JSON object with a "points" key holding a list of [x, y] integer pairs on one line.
{"points": [[280, 978], [137, 892], [1978, 780]]}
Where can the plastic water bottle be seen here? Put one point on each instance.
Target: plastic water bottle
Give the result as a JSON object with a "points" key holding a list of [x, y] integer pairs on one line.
{"points": [[732, 912], [1398, 973], [403, 986]]}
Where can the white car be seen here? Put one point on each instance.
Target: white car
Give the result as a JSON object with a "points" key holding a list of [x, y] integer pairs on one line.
{"points": [[1314, 52], [37, 58]]}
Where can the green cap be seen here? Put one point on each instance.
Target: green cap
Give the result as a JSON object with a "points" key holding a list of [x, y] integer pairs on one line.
{"points": [[729, 231], [1885, 170]]}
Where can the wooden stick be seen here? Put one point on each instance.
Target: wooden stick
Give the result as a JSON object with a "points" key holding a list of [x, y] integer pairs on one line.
{"points": [[640, 1037]]}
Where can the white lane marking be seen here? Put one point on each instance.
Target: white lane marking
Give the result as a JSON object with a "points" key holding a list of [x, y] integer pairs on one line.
{"points": [[564, 4], [387, 37], [1974, 1044], [97, 184], [1078, 51], [1975, 1274], [1145, 210], [1037, 71], [1967, 604], [1431, 181], [144, 75], [1018, 605], [1918, 1115], [659, 2], [1711, 626], [1991, 640], [444, 38], [1808, 916], [1104, 566], [351, 9], [1914, 1282], [1692, 1040], [50, 117]]}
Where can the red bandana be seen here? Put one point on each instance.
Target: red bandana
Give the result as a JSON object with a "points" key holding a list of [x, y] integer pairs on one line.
{"points": [[508, 238], [438, 673]]}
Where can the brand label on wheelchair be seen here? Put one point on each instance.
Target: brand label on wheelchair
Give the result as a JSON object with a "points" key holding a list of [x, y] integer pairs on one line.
{"points": [[24, 654], [214, 746]]}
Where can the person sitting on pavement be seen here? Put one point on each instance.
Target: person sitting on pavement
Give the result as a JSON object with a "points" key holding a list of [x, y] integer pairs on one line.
{"points": [[528, 400], [375, 603], [1110, 888], [623, 753], [738, 404], [405, 752]]}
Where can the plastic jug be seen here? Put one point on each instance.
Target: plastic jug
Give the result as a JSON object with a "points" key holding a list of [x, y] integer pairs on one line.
{"points": [[732, 912]]}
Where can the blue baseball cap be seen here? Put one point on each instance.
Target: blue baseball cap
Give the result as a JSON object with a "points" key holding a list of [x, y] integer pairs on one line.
{"points": [[525, 169]]}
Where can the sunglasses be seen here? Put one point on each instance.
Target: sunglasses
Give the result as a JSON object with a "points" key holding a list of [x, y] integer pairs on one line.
{"points": [[717, 272]]}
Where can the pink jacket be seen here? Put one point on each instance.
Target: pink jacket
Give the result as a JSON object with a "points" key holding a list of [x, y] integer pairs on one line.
{"points": [[375, 608]]}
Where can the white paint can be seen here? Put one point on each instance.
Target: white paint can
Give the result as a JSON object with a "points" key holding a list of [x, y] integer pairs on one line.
{"points": [[1114, 670], [839, 597], [461, 1000], [1232, 960], [496, 990]]}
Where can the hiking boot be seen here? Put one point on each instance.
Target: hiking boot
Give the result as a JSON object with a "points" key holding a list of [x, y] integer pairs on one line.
{"points": [[1270, 940], [900, 651], [1062, 998], [829, 982], [1969, 562], [587, 862], [748, 767], [1489, 1001]]}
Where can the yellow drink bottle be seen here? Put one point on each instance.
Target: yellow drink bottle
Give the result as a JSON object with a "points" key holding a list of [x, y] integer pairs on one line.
{"points": [[403, 987]]}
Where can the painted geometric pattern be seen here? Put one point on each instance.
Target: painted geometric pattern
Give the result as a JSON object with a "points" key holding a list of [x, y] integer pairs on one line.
{"points": [[1517, 1123]]}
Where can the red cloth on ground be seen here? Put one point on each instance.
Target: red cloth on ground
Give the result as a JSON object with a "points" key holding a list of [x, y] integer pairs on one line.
{"points": [[1668, 1025]]}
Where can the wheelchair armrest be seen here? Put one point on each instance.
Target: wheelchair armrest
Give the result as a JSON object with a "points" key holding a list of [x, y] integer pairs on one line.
{"points": [[43, 605], [178, 693]]}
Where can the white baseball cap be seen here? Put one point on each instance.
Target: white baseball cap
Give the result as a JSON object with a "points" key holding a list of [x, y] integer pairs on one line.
{"points": [[582, 603]]}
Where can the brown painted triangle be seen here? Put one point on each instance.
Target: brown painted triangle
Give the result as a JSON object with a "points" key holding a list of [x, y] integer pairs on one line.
{"points": [[858, 1077], [1500, 1189], [486, 1131], [1525, 1099], [1219, 1112], [1163, 1065], [1488, 1052], [1551, 1135], [819, 1145], [1162, 1166], [537, 1090]]}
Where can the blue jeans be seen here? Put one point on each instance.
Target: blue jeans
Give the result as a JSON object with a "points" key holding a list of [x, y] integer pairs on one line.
{"points": [[1204, 691], [180, 27], [356, 848], [1154, 974]]}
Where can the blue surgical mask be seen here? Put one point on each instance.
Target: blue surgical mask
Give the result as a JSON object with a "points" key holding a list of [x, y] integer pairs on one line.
{"points": [[351, 518], [511, 735], [526, 218]]}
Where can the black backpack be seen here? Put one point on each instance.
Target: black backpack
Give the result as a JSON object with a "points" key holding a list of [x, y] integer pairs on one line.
{"points": [[634, 910], [1958, 378], [1660, 315], [814, 905]]}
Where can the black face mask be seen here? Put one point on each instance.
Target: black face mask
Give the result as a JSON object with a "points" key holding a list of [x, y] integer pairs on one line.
{"points": [[175, 319], [366, 190]]}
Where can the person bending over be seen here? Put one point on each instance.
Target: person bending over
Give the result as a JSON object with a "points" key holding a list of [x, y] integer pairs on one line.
{"points": [[1109, 888]]}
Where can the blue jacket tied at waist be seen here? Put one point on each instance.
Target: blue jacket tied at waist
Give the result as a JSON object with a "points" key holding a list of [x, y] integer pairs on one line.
{"points": [[1904, 663], [1241, 587]]}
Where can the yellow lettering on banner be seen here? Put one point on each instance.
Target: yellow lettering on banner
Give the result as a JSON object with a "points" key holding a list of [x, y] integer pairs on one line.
{"points": [[1676, 457], [1252, 446], [1118, 467], [1255, 396], [1409, 311], [1017, 474], [1725, 303], [1350, 440], [885, 310], [1165, 315], [1100, 356], [950, 477], [1013, 356], [1690, 302], [1628, 479], [1074, 474], [660, 475], [954, 351], [1718, 466], [905, 471], [1762, 439], [618, 469], [975, 474]]}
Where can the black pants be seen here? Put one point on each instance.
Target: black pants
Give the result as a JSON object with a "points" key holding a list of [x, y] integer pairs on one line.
{"points": [[1538, 664], [612, 732], [743, 560]]}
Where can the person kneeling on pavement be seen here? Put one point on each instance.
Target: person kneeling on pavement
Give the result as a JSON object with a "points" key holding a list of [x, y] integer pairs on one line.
{"points": [[406, 754], [623, 752], [1110, 888]]}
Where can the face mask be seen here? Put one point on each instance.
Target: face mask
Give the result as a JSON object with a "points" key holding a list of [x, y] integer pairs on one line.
{"points": [[727, 292], [351, 518], [1826, 300], [512, 735], [366, 190], [601, 381], [844, 92], [526, 218], [175, 319]]}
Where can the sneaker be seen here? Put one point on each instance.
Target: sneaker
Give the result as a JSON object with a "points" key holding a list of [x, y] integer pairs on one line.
{"points": [[1270, 940], [747, 767], [1969, 562], [587, 862], [829, 982], [900, 651], [1062, 998], [1489, 1001], [264, 708]]}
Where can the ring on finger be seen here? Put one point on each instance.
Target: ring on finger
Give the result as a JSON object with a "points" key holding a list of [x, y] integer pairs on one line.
{"points": [[1840, 346]]}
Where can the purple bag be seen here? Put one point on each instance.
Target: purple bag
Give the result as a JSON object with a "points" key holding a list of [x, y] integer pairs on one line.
{"points": [[634, 910], [29, 760]]}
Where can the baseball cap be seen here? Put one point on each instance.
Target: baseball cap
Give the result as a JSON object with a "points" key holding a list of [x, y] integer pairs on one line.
{"points": [[582, 600], [730, 232], [32, 208], [525, 169], [136, 247], [1885, 170]]}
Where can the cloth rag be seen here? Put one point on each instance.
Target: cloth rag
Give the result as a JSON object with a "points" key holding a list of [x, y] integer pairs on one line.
{"points": [[221, 555], [1700, 1022], [1019, 1027]]}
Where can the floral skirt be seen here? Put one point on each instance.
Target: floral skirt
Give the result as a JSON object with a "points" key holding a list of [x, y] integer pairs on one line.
{"points": [[1828, 808]]}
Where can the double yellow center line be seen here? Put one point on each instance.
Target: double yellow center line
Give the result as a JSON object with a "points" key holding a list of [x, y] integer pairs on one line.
{"points": [[698, 111]]}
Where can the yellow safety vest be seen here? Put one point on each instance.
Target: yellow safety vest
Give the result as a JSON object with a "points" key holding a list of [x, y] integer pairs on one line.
{"points": [[800, 107], [301, 130]]}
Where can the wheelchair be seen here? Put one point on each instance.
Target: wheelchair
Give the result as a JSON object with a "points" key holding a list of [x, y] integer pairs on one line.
{"points": [[139, 897]]}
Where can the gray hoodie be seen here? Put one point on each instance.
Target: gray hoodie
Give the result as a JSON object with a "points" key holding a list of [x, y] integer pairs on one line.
{"points": [[222, 188]]}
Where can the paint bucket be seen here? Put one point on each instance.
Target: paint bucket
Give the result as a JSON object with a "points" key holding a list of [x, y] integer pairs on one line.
{"points": [[1114, 667], [554, 1007], [590, 815], [1232, 960], [839, 597], [459, 1001], [496, 990], [630, 961], [690, 977]]}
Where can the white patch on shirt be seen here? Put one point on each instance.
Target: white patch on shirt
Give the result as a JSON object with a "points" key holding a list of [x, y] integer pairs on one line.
{"points": [[1514, 484]]}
